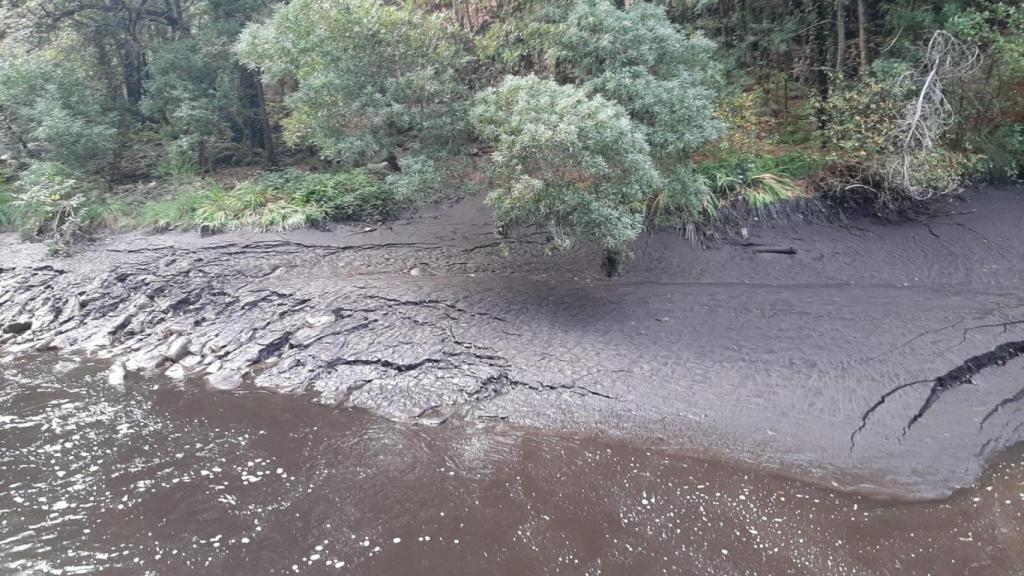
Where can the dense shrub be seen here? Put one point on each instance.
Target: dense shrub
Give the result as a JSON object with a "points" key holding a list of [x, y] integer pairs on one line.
{"points": [[684, 201], [277, 201], [52, 110], [1002, 153], [347, 195], [193, 87], [862, 119], [372, 77], [8, 212], [866, 135], [49, 200], [574, 164], [251, 206], [180, 160], [176, 213]]}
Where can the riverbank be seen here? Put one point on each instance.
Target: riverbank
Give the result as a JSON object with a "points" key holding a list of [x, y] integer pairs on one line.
{"points": [[874, 357]]}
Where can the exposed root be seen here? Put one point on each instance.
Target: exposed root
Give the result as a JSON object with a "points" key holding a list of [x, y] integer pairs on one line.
{"points": [[1002, 404], [1004, 325], [964, 373], [867, 414]]}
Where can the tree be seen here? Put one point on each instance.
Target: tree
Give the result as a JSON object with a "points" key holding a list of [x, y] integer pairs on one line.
{"points": [[862, 37], [163, 63], [194, 92], [639, 59], [51, 109], [840, 37], [372, 78], [571, 163]]}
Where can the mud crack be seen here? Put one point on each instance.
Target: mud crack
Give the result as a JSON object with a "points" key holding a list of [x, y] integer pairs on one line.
{"points": [[502, 384], [382, 363]]}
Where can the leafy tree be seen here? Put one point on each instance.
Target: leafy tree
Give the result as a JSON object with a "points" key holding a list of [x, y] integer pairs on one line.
{"points": [[574, 164], [194, 91], [51, 109], [372, 77], [639, 59]]}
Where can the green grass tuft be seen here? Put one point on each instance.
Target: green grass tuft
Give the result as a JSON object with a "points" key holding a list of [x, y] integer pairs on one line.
{"points": [[8, 212], [177, 213]]}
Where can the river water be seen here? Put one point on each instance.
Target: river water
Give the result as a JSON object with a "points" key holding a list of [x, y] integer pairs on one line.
{"points": [[156, 478]]}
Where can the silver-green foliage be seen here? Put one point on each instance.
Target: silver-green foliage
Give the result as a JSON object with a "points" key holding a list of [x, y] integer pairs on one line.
{"points": [[574, 164], [371, 76], [51, 109], [640, 59]]}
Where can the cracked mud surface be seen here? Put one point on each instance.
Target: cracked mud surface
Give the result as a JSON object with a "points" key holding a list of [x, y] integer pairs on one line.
{"points": [[883, 358]]}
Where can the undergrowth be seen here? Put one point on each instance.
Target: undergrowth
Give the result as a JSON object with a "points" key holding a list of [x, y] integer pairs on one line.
{"points": [[48, 202], [274, 201]]}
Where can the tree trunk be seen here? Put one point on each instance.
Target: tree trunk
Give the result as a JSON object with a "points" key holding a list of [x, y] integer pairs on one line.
{"points": [[819, 38], [269, 151], [840, 37], [255, 121], [392, 160], [133, 67], [862, 37], [201, 156]]}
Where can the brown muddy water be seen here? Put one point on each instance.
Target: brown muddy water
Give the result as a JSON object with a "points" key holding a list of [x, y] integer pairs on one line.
{"points": [[162, 479]]}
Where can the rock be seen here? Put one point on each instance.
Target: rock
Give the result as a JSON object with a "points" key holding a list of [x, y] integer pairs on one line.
{"points": [[177, 329], [44, 345], [213, 347], [64, 367], [416, 272], [120, 323], [245, 356], [147, 361], [177, 372], [272, 337], [320, 319], [23, 347], [304, 336], [225, 380], [97, 341], [17, 327], [116, 374], [177, 349], [142, 303]]}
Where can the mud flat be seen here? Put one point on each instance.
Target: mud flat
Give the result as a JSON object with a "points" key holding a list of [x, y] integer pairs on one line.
{"points": [[880, 358]]}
